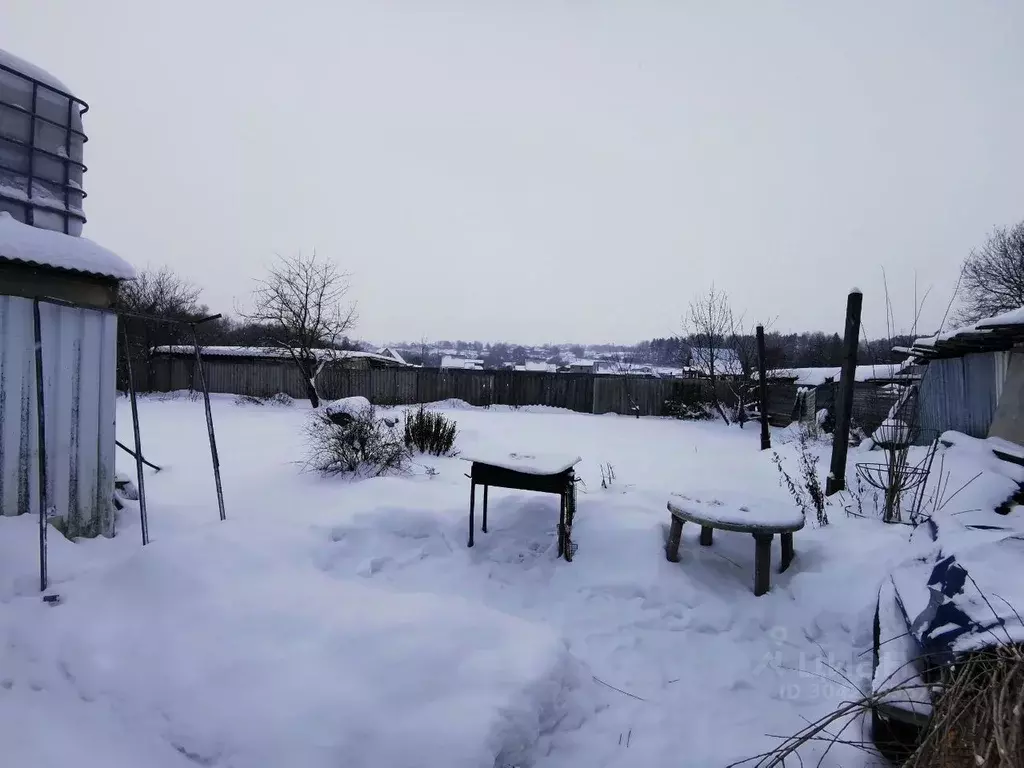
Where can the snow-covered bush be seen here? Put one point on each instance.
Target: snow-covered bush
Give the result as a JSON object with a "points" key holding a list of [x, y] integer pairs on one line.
{"points": [[690, 405], [280, 399], [247, 400], [429, 432], [347, 437]]}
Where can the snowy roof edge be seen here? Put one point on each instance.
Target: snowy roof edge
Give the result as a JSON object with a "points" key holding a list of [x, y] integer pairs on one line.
{"points": [[46, 248]]}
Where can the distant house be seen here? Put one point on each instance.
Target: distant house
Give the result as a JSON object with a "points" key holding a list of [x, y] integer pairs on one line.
{"points": [[392, 353], [973, 378], [538, 366], [579, 366], [462, 363]]}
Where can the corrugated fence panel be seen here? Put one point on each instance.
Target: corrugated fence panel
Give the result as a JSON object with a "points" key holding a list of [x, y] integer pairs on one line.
{"points": [[960, 393], [79, 372]]}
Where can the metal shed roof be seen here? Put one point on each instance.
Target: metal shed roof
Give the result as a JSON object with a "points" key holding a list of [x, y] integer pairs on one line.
{"points": [[993, 334], [46, 248]]}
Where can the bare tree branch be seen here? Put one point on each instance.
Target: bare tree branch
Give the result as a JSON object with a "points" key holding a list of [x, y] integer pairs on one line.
{"points": [[301, 303], [992, 280]]}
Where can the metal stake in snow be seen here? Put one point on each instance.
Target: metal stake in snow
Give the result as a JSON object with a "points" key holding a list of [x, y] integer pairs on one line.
{"points": [[143, 518], [209, 415], [44, 501], [766, 435], [844, 405]]}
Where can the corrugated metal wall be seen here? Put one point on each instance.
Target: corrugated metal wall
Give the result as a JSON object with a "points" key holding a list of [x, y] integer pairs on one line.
{"points": [[79, 368], [961, 393]]}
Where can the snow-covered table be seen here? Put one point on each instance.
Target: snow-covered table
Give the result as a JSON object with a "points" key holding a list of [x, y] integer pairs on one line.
{"points": [[763, 518], [545, 473]]}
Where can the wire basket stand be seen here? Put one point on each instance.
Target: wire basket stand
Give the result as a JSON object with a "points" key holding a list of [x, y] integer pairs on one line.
{"points": [[896, 475]]}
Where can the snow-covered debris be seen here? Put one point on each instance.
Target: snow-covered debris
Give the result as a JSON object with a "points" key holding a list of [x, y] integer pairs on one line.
{"points": [[897, 674], [20, 242]]}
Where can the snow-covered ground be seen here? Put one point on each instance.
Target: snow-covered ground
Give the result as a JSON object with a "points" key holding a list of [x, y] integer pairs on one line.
{"points": [[331, 622]]}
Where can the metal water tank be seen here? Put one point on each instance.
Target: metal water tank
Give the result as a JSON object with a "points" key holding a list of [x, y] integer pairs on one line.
{"points": [[41, 142]]}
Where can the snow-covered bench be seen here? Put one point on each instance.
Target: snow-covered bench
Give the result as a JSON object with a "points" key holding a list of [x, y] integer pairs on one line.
{"points": [[763, 519]]}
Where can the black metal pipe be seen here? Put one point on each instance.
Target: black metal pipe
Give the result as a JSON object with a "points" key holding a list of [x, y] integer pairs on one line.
{"points": [[132, 453], [209, 418], [766, 435], [44, 500], [143, 518]]}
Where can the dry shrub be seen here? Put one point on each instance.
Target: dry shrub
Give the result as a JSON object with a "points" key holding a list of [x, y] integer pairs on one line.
{"points": [[362, 445], [979, 716], [429, 432]]}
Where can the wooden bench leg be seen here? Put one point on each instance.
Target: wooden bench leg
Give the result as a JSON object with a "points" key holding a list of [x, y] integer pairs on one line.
{"points": [[472, 504], [787, 551], [484, 528], [675, 533], [762, 562], [706, 533]]}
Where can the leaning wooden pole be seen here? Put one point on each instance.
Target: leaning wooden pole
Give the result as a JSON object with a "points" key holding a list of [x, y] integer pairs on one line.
{"points": [[44, 498], [209, 423], [140, 478], [762, 372], [844, 405]]}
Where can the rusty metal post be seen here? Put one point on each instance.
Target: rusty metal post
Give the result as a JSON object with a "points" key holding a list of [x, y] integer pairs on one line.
{"points": [[844, 406]]}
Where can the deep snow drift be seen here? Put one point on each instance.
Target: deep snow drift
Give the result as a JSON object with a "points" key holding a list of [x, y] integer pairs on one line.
{"points": [[331, 622]]}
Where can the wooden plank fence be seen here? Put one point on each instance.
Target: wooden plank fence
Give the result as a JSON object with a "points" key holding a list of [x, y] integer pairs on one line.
{"points": [[582, 392]]}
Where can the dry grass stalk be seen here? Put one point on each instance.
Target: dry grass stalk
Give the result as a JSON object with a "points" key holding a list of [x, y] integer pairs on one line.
{"points": [[979, 718]]}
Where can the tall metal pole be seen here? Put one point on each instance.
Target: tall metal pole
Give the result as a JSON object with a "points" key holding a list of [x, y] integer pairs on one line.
{"points": [[44, 500], [844, 405], [766, 436], [143, 517], [209, 423]]}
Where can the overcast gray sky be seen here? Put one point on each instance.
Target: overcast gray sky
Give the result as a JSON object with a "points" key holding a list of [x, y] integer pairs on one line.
{"points": [[549, 171]]}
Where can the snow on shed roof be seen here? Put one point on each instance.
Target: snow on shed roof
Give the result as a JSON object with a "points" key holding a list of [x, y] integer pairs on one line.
{"points": [[271, 352], [815, 377], [1001, 331], [32, 71], [21, 242]]}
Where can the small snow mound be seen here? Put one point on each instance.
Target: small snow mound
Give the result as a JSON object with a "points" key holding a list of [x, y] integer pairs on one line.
{"points": [[348, 406]]}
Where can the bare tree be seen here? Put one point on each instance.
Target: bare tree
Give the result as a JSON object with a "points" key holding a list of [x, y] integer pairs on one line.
{"points": [[301, 302], [164, 300], [708, 325], [992, 280]]}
